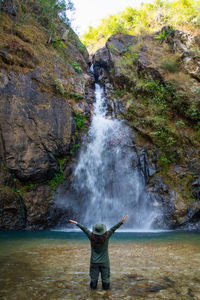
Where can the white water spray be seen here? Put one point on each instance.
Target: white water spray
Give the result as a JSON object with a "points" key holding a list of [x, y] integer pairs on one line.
{"points": [[107, 181]]}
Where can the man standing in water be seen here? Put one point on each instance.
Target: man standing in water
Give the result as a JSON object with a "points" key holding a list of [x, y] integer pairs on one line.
{"points": [[99, 260]]}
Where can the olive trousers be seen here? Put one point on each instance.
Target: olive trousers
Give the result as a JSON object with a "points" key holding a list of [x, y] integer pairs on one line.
{"points": [[104, 269]]}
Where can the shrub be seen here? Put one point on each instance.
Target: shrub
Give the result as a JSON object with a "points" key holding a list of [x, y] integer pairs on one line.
{"points": [[159, 93], [180, 123], [75, 96], [58, 44], [77, 67], [170, 65], [59, 86], [49, 13], [164, 161], [80, 120], [160, 36], [149, 18], [56, 180]]}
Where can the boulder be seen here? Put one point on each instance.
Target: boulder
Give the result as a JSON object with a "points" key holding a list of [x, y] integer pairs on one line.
{"points": [[121, 42], [144, 69], [106, 61]]}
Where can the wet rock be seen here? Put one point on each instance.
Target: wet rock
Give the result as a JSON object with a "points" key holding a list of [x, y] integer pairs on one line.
{"points": [[116, 108], [9, 209], [196, 189], [157, 185], [148, 169], [101, 63], [38, 203]]}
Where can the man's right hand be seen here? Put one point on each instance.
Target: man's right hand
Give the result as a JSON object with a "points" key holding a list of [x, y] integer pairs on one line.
{"points": [[124, 219], [72, 221]]}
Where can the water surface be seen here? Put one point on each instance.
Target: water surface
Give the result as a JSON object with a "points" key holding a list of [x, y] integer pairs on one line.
{"points": [[54, 265]]}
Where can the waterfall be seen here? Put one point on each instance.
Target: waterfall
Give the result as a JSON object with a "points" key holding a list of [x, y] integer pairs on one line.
{"points": [[108, 183]]}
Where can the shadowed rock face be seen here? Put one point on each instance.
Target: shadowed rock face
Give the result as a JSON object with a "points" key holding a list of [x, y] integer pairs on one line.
{"points": [[35, 128], [42, 88]]}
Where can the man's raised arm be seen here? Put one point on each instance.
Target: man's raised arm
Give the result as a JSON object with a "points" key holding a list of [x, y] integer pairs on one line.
{"points": [[84, 229], [112, 229]]}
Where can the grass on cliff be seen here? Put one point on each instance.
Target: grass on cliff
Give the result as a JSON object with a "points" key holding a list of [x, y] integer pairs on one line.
{"points": [[49, 13], [181, 14], [156, 112], [35, 39]]}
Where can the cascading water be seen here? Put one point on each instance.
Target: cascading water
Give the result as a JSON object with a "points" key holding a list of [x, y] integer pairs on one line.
{"points": [[108, 183]]}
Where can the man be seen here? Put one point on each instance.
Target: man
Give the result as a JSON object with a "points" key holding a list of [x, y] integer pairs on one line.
{"points": [[99, 260]]}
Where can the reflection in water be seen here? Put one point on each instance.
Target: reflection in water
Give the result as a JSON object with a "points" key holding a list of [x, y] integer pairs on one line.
{"points": [[55, 266]]}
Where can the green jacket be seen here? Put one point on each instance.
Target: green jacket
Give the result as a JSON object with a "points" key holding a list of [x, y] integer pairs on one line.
{"points": [[99, 253]]}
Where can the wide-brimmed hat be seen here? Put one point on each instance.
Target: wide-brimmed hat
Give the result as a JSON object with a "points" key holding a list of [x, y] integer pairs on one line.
{"points": [[99, 229]]}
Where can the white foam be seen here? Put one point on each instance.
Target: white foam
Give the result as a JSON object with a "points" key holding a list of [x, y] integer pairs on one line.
{"points": [[108, 182], [118, 231]]}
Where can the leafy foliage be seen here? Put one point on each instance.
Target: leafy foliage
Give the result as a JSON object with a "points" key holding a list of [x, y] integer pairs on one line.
{"points": [[150, 17], [76, 96], [77, 67], [79, 121], [160, 36], [57, 179], [49, 13]]}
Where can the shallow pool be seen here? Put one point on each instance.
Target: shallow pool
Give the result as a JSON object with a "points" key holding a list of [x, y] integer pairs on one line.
{"points": [[54, 265]]}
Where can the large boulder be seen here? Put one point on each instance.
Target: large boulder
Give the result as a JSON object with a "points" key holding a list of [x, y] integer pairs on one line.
{"points": [[107, 60]]}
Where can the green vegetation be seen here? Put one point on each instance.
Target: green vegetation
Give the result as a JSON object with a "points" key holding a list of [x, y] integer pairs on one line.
{"points": [[50, 14], [57, 179], [76, 96], [58, 44], [152, 114], [113, 49], [74, 147], [170, 65], [160, 36], [180, 124], [179, 14], [80, 120], [59, 86], [197, 127], [77, 67]]}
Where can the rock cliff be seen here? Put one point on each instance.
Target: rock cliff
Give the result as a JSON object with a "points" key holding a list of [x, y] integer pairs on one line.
{"points": [[46, 93], [153, 83]]}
